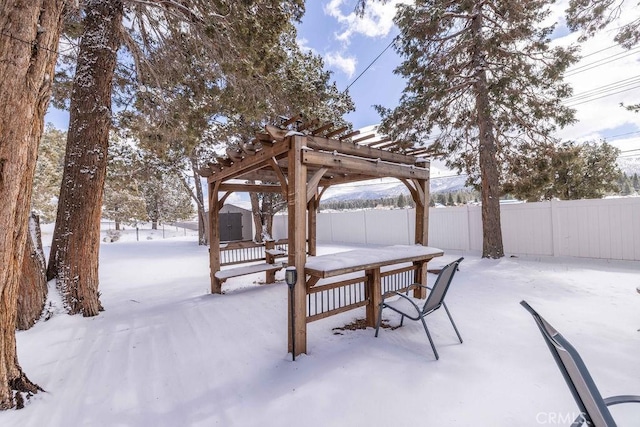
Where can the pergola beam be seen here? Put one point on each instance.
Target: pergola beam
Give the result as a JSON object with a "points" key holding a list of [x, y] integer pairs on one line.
{"points": [[251, 188], [245, 165], [302, 167], [324, 144], [375, 169]]}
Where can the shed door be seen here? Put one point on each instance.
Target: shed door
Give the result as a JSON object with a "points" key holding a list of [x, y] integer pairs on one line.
{"points": [[230, 226]]}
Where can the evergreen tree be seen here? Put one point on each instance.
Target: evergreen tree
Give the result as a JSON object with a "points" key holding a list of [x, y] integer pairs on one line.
{"points": [[48, 174], [30, 32], [569, 171], [592, 16], [166, 199], [483, 82], [123, 200], [450, 200], [401, 203], [635, 182], [241, 42]]}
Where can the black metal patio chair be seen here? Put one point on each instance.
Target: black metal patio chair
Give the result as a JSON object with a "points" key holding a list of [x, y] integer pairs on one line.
{"points": [[435, 299], [593, 407]]}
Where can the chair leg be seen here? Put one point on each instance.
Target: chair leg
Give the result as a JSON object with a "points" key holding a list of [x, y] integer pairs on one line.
{"points": [[379, 320], [452, 322], [433, 347]]}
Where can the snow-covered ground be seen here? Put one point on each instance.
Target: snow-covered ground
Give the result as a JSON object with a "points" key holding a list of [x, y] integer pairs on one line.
{"points": [[167, 353]]}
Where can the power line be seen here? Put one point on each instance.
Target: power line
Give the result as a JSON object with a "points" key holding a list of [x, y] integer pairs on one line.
{"points": [[603, 96], [601, 62], [600, 50], [371, 64], [622, 134], [604, 88]]}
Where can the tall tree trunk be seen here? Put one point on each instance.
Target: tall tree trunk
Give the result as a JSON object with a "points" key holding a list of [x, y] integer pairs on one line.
{"points": [[490, 181], [256, 213], [198, 197], [76, 239], [30, 31], [203, 237], [32, 292]]}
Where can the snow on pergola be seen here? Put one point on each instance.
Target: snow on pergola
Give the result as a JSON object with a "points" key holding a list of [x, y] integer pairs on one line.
{"points": [[306, 157]]}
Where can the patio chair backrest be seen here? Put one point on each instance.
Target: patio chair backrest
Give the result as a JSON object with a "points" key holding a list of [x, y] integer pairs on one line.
{"points": [[440, 287], [575, 373]]}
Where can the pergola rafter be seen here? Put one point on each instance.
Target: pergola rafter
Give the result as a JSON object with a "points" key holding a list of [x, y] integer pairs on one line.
{"points": [[302, 158]]}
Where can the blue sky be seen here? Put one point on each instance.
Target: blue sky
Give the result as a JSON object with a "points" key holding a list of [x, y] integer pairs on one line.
{"points": [[349, 44]]}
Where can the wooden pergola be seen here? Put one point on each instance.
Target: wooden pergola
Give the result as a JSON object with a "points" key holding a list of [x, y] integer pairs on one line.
{"points": [[306, 157]]}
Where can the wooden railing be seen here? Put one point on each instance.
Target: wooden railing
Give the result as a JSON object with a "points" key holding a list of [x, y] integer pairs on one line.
{"points": [[245, 251], [333, 298]]}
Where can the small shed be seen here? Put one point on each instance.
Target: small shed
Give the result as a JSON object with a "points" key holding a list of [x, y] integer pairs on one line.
{"points": [[235, 223]]}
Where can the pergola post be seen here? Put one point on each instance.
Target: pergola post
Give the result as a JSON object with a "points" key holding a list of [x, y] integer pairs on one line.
{"points": [[312, 212], [422, 213], [422, 232], [214, 237], [297, 207]]}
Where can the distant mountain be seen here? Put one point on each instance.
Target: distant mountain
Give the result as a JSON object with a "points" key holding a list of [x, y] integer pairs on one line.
{"points": [[448, 184], [629, 165], [381, 190]]}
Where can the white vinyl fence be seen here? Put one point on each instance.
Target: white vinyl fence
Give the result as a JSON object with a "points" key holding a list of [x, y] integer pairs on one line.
{"points": [[602, 228]]}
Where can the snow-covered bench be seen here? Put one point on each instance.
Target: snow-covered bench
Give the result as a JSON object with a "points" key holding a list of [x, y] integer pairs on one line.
{"points": [[270, 269]]}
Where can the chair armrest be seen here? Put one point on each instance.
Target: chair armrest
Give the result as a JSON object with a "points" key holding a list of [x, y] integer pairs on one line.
{"points": [[609, 401], [401, 295], [417, 285], [616, 400]]}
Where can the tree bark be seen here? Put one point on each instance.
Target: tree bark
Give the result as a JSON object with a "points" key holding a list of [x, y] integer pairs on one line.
{"points": [[29, 34], [32, 293], [76, 241], [492, 246], [198, 197], [203, 238], [256, 213]]}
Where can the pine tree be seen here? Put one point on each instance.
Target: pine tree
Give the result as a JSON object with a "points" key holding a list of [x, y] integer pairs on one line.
{"points": [[166, 199], [450, 200], [568, 171], [483, 82], [123, 200], [591, 16], [241, 41], [401, 203], [48, 174], [636, 182], [29, 34]]}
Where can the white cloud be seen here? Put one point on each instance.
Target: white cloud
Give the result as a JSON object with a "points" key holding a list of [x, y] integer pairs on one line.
{"points": [[346, 64], [376, 22], [602, 72], [303, 43]]}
